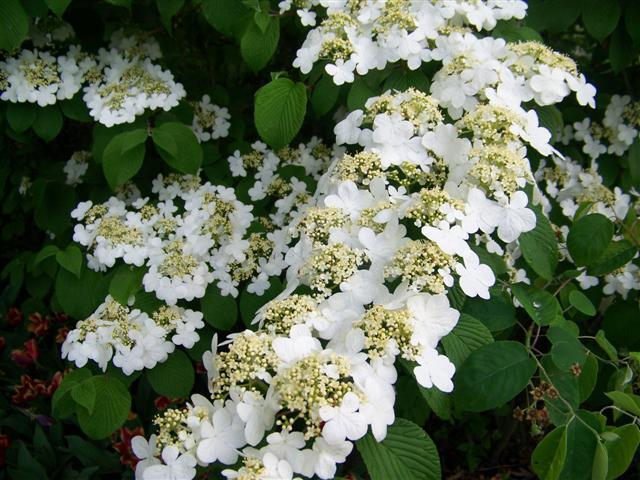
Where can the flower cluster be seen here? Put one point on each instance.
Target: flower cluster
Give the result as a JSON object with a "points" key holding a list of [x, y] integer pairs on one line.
{"points": [[187, 239], [36, 76], [132, 338], [210, 121], [125, 82], [120, 82], [614, 135], [192, 235], [366, 35]]}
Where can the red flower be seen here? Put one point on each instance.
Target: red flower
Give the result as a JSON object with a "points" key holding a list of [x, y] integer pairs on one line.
{"points": [[5, 443], [14, 317], [123, 446], [38, 325], [60, 317], [28, 390], [54, 384], [26, 356], [162, 403], [62, 334]]}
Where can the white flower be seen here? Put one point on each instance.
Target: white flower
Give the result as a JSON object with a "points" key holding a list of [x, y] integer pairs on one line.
{"points": [[434, 370], [348, 130], [327, 455], [516, 218], [585, 92], [451, 240], [349, 199], [307, 17], [433, 318], [298, 345], [221, 438], [341, 71], [444, 142], [475, 278], [344, 421], [177, 466], [258, 413], [145, 451]]}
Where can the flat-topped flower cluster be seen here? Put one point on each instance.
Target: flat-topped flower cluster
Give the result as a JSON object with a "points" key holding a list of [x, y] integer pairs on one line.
{"points": [[119, 83], [192, 234]]}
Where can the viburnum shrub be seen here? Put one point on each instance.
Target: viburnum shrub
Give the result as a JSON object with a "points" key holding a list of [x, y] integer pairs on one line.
{"points": [[355, 239]]}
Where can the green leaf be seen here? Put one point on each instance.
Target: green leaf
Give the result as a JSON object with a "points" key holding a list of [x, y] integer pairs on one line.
{"points": [[110, 410], [359, 93], [439, 402], [497, 313], [616, 255], [600, 462], [589, 237], [581, 446], [606, 345], [492, 375], [219, 311], [54, 204], [539, 247], [250, 302], [262, 20], [167, 9], [407, 452], [229, 17], [75, 109], [257, 46], [621, 325], [123, 156], [14, 25], [588, 378], [402, 79], [62, 404], [324, 96], [550, 118], [548, 457], [280, 107], [58, 6], [566, 349], [581, 303], [90, 455], [27, 467], [600, 17], [468, 335], [70, 259], [46, 252], [20, 115], [620, 55], [512, 32], [42, 448], [79, 296], [178, 146], [626, 401], [632, 20], [126, 281], [48, 122], [84, 394], [541, 306], [622, 450], [173, 378]]}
